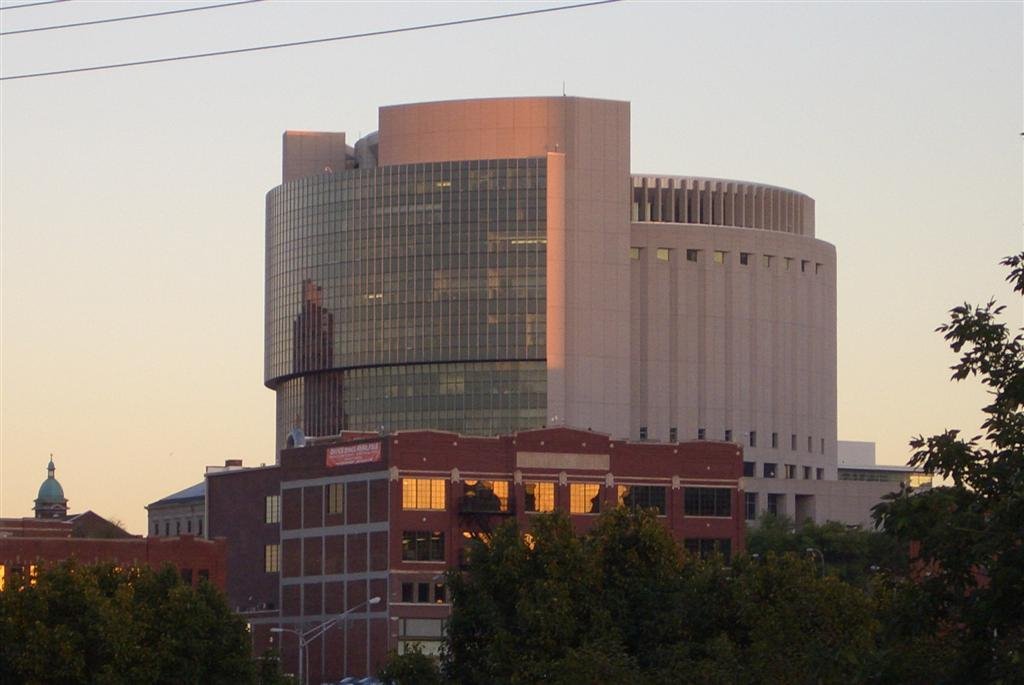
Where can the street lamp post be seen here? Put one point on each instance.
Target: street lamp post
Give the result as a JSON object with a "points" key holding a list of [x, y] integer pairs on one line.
{"points": [[316, 631], [814, 550]]}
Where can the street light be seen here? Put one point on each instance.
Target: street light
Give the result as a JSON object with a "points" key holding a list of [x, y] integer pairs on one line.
{"points": [[812, 551], [316, 631]]}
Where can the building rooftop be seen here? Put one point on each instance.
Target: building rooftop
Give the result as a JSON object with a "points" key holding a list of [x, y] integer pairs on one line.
{"points": [[197, 491]]}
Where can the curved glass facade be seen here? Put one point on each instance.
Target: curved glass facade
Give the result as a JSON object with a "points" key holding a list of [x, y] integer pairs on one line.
{"points": [[409, 296]]}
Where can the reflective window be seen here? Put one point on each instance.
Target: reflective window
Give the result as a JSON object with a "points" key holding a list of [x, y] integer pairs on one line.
{"points": [[335, 493], [391, 291], [273, 509], [539, 497], [748, 469], [421, 545], [485, 495], [634, 253], [423, 493], [707, 502], [642, 497], [272, 558], [584, 498], [664, 254]]}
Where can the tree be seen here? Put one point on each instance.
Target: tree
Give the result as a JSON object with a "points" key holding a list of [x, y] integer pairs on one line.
{"points": [[412, 668], [851, 553], [624, 604], [969, 536], [103, 624], [521, 595]]}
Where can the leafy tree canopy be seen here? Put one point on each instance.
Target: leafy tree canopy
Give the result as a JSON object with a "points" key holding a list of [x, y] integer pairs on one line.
{"points": [[969, 536], [103, 624]]}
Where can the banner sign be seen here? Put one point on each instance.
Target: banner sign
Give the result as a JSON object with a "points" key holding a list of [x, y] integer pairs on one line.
{"points": [[363, 453]]}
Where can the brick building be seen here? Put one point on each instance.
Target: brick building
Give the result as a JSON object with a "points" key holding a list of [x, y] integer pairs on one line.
{"points": [[344, 520], [195, 558]]}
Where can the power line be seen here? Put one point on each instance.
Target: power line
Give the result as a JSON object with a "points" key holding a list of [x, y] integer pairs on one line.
{"points": [[31, 4], [313, 41], [128, 18]]}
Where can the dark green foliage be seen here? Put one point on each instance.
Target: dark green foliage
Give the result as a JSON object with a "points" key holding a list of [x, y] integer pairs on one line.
{"points": [[969, 537], [851, 553], [101, 624], [412, 668], [624, 605]]}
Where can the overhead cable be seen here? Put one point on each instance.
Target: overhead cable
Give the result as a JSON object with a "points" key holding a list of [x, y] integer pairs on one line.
{"points": [[313, 41], [31, 4], [128, 18]]}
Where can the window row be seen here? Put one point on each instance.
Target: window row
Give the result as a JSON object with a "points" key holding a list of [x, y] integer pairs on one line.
{"points": [[189, 526], [664, 254], [791, 472], [727, 435], [424, 593], [584, 498]]}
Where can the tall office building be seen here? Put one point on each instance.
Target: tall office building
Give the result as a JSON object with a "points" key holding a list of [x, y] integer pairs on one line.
{"points": [[489, 266]]}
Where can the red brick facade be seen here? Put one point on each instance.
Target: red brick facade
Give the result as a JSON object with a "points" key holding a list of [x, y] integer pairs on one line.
{"points": [[346, 535], [195, 558]]}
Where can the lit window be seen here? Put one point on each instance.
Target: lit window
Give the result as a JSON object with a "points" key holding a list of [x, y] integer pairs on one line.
{"points": [[775, 441], [3, 577], [642, 497], [485, 495], [634, 253], [790, 471], [335, 494], [767, 260], [691, 255], [750, 505], [272, 558], [769, 470], [719, 257], [273, 509], [584, 498], [422, 545], [707, 502], [663, 254], [423, 493], [539, 496], [744, 258]]}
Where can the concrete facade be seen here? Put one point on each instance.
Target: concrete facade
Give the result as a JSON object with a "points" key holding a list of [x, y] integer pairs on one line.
{"points": [[661, 308]]}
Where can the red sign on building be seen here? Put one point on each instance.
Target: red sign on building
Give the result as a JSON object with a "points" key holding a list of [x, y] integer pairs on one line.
{"points": [[360, 453]]}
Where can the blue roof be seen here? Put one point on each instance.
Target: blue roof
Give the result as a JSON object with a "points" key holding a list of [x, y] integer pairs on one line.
{"points": [[192, 492]]}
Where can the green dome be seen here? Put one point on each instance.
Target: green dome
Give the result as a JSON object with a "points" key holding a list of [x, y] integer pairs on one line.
{"points": [[50, 492]]}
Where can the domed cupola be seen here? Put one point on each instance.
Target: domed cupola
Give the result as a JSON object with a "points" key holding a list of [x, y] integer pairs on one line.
{"points": [[51, 503]]}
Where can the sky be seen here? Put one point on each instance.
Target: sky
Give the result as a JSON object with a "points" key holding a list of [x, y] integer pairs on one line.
{"points": [[132, 200]]}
